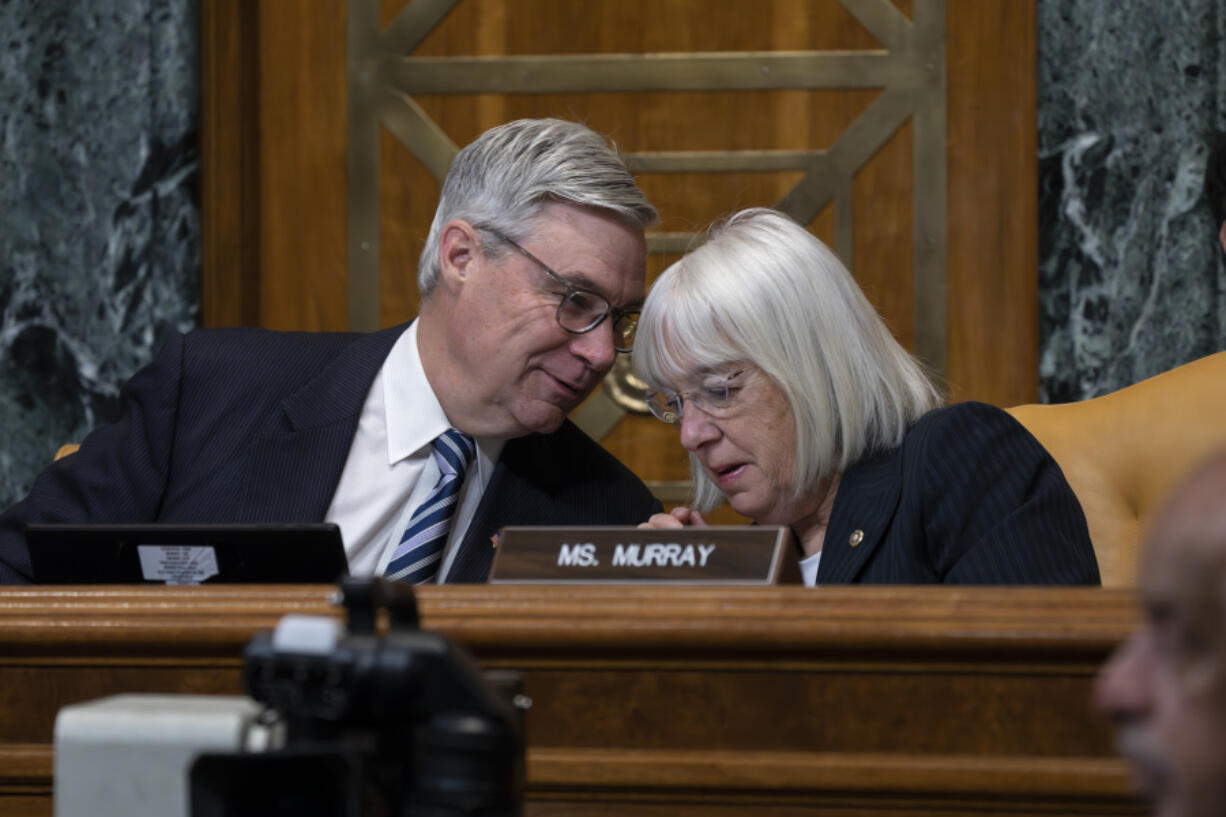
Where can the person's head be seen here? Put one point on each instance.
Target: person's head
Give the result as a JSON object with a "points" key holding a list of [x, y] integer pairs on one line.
{"points": [[822, 381], [1165, 687], [1215, 184], [507, 175], [526, 204]]}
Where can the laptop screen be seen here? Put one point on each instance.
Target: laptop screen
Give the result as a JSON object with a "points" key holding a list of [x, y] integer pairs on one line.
{"points": [[185, 553]]}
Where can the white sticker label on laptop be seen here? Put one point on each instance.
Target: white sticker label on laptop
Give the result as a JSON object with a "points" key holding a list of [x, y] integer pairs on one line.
{"points": [[177, 564]]}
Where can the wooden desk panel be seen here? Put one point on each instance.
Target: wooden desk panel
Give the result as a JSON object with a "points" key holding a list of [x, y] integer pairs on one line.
{"points": [[677, 701]]}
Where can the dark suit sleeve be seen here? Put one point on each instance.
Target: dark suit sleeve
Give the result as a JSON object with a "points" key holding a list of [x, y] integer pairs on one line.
{"points": [[119, 473], [998, 509]]}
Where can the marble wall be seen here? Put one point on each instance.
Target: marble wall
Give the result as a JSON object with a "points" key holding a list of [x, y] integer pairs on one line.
{"points": [[99, 232], [1132, 281]]}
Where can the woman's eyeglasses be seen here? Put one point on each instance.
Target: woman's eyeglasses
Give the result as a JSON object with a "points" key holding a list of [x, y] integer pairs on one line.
{"points": [[715, 393]]}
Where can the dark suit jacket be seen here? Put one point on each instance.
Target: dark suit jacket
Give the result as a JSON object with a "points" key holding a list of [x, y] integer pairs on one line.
{"points": [[247, 425], [970, 497]]}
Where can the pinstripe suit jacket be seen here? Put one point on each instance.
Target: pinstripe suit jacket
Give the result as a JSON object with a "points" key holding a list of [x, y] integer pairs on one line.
{"points": [[970, 497], [247, 425]]}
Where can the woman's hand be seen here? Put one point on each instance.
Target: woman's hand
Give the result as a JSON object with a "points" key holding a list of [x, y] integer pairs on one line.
{"points": [[678, 517]]}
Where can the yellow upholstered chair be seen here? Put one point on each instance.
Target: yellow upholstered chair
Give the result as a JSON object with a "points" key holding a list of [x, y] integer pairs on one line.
{"points": [[1123, 452]]}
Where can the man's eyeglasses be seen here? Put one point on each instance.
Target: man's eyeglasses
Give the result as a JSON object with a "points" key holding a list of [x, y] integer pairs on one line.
{"points": [[582, 310], [714, 394]]}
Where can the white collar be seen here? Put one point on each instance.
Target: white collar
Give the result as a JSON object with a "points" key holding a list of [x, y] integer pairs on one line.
{"points": [[412, 412]]}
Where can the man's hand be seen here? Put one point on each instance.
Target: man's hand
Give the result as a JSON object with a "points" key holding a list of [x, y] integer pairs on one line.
{"points": [[678, 517]]}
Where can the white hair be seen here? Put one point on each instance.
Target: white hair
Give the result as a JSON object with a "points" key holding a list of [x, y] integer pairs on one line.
{"points": [[503, 179], [764, 290]]}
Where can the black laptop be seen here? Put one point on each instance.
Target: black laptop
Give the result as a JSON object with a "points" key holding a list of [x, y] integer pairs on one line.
{"points": [[185, 553]]}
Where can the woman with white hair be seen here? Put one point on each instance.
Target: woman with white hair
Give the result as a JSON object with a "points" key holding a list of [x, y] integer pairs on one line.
{"points": [[799, 407]]}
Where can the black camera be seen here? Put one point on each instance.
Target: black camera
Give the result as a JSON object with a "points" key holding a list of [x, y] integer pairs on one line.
{"points": [[398, 725]]}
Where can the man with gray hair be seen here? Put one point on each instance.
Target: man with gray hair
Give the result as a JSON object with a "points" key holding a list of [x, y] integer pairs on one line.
{"points": [[419, 441], [1165, 687]]}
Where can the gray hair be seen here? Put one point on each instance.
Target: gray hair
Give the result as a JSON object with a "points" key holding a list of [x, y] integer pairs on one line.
{"points": [[506, 176], [762, 289]]}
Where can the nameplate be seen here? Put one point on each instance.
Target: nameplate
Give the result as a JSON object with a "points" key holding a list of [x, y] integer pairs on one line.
{"points": [[757, 555]]}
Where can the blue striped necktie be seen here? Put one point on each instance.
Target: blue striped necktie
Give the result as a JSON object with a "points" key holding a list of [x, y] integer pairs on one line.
{"points": [[417, 557]]}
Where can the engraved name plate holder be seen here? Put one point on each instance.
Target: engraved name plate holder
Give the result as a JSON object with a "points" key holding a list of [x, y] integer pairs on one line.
{"points": [[717, 554]]}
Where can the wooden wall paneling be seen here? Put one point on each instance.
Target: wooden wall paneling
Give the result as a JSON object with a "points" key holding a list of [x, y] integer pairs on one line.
{"points": [[931, 187], [229, 169], [883, 194], [302, 94], [993, 202], [302, 173], [273, 151], [408, 192]]}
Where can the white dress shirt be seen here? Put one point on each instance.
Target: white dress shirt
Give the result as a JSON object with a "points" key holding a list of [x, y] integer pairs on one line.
{"points": [[808, 569], [390, 469]]}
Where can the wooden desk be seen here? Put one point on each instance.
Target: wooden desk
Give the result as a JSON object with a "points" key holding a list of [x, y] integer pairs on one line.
{"points": [[667, 701]]}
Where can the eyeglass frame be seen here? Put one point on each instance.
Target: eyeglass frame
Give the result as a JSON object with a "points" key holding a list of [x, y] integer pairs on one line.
{"points": [[679, 396], [571, 291]]}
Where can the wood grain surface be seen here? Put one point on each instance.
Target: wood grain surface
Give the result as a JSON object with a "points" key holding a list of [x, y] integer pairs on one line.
{"points": [[666, 700]]}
